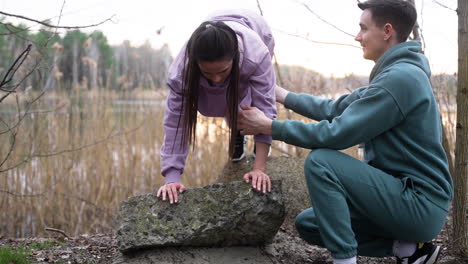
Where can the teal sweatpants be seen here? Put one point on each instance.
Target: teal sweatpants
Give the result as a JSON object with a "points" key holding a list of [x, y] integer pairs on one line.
{"points": [[361, 210]]}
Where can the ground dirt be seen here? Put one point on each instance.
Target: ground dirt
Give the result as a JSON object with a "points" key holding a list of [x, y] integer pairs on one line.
{"points": [[286, 247]]}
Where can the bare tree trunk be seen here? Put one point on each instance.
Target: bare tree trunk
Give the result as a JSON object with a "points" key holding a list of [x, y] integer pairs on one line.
{"points": [[50, 83], [460, 229], [94, 55], [75, 64], [446, 145]]}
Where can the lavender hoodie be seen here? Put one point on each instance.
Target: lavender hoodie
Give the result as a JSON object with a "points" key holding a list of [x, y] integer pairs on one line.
{"points": [[256, 86]]}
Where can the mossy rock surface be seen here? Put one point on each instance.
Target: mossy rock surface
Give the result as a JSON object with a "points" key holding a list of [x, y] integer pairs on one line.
{"points": [[222, 214], [289, 170]]}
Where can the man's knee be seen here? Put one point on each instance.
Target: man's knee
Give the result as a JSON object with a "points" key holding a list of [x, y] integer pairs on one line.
{"points": [[318, 160], [321, 157]]}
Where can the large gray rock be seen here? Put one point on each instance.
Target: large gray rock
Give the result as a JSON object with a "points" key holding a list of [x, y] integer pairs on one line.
{"points": [[223, 214], [290, 170]]}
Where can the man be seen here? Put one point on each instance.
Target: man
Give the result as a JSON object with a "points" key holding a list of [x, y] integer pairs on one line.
{"points": [[399, 198]]}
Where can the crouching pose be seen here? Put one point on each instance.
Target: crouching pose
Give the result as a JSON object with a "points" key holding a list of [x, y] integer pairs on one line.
{"points": [[398, 199]]}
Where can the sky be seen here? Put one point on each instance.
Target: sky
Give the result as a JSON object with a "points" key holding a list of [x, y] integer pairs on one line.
{"points": [[140, 20]]}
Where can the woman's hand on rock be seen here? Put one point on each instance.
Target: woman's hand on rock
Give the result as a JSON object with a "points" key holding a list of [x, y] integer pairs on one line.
{"points": [[260, 181], [170, 190]]}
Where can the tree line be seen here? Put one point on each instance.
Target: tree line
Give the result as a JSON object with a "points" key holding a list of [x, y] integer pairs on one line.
{"points": [[80, 60]]}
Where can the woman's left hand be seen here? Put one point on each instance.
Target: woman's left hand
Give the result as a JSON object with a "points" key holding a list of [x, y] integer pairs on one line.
{"points": [[260, 181], [252, 121]]}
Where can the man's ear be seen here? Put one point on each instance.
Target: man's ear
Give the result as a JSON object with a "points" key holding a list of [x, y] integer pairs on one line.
{"points": [[388, 31]]}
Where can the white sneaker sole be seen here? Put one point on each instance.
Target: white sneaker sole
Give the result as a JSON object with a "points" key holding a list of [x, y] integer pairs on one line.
{"points": [[434, 256], [431, 260], [238, 159]]}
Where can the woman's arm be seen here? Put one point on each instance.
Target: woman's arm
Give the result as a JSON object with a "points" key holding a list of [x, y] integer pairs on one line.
{"points": [[280, 94], [260, 180]]}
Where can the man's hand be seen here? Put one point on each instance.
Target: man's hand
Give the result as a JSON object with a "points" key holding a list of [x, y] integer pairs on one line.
{"points": [[170, 189], [252, 121], [280, 94], [260, 181]]}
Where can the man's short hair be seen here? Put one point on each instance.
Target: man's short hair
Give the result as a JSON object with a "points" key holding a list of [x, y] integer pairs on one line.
{"points": [[399, 13]]}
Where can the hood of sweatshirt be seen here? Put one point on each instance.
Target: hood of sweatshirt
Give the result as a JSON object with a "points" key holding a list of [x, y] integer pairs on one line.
{"points": [[406, 52]]}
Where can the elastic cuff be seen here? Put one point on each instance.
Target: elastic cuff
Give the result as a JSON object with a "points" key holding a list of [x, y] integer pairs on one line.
{"points": [[276, 130], [344, 255], [172, 176], [263, 139], [290, 100]]}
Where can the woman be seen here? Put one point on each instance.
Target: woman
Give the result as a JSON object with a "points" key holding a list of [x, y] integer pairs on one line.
{"points": [[226, 63]]}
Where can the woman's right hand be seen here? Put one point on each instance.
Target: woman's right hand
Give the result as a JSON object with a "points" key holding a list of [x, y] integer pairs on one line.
{"points": [[170, 189], [280, 94]]}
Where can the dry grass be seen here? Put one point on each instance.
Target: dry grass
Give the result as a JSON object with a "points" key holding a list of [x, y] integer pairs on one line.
{"points": [[89, 156]]}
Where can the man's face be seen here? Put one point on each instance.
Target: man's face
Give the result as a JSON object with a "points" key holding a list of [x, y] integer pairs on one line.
{"points": [[371, 37]]}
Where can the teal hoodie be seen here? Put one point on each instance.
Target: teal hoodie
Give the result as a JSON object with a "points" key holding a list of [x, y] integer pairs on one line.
{"points": [[395, 117]]}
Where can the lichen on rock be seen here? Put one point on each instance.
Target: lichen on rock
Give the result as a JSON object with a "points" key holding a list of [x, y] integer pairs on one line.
{"points": [[290, 170], [222, 214]]}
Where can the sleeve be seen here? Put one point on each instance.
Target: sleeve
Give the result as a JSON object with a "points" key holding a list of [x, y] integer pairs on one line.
{"points": [[263, 83], [319, 108], [364, 119], [173, 153]]}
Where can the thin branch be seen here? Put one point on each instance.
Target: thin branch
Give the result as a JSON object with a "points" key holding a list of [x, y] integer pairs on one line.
{"points": [[26, 112], [60, 16], [57, 231], [22, 194], [39, 155], [420, 27], [13, 87], [38, 60], [44, 155], [53, 26], [68, 196], [12, 70], [58, 107], [444, 6], [315, 41], [12, 146], [325, 21], [259, 7], [417, 29]]}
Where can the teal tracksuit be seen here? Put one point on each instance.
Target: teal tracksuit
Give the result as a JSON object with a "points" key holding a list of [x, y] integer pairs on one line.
{"points": [[403, 189]]}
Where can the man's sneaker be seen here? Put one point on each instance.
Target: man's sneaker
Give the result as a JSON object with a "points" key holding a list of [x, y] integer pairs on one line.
{"points": [[426, 253], [239, 148]]}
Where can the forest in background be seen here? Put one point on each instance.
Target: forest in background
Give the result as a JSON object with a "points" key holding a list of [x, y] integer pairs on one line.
{"points": [[81, 60], [87, 61]]}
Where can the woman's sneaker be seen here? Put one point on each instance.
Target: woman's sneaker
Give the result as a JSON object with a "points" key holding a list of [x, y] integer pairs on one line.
{"points": [[239, 148], [426, 253]]}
